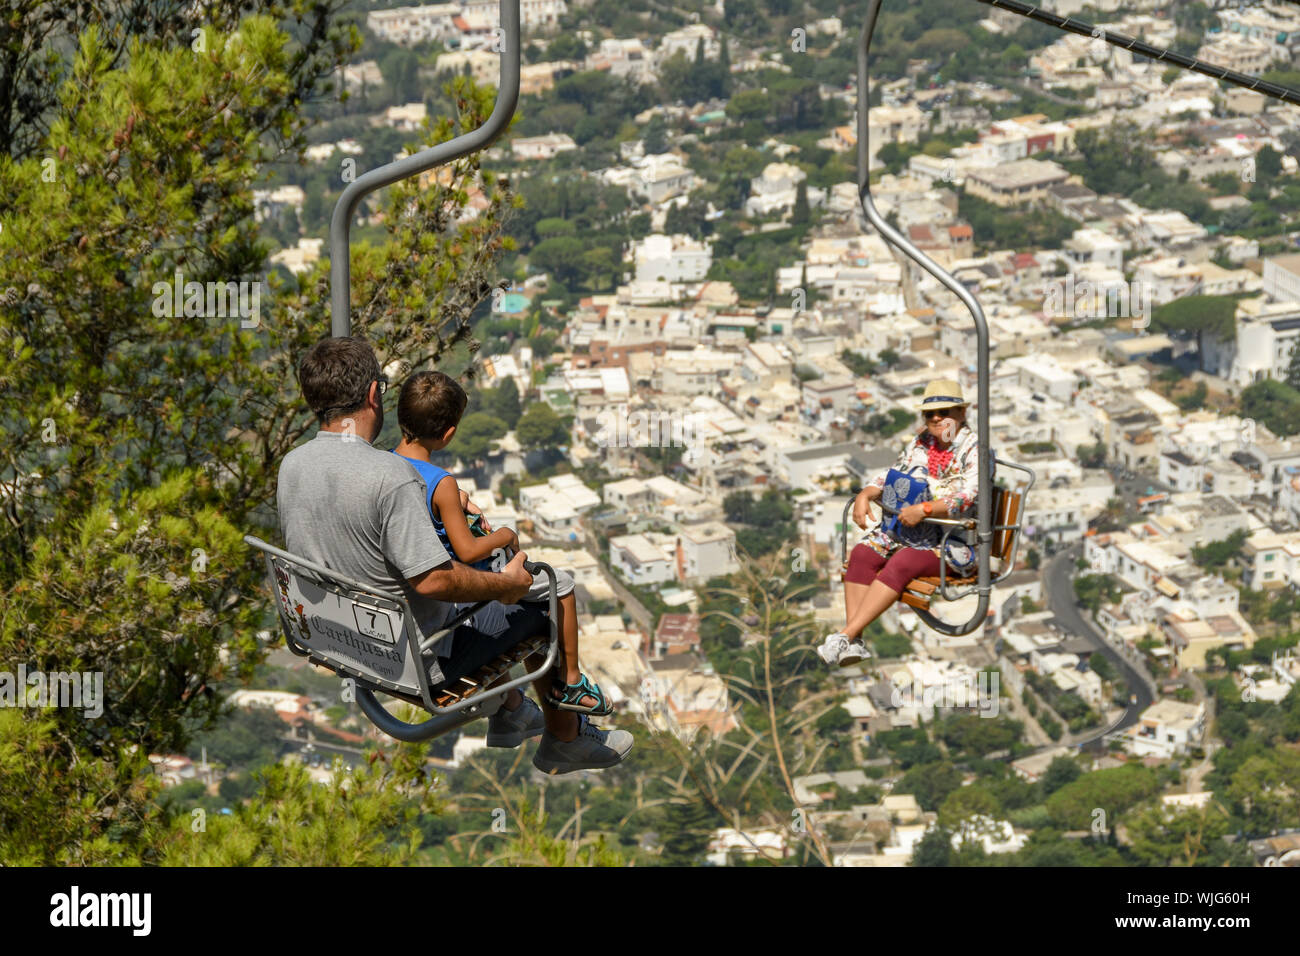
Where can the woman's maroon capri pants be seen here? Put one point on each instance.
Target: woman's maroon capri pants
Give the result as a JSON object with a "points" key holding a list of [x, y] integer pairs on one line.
{"points": [[895, 572]]}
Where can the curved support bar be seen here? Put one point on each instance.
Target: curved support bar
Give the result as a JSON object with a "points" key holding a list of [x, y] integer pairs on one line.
{"points": [[412, 733], [983, 500], [553, 604], [473, 141], [844, 528], [943, 627]]}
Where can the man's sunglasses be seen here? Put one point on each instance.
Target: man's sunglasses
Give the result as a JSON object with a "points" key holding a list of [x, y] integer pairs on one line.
{"points": [[933, 413]]}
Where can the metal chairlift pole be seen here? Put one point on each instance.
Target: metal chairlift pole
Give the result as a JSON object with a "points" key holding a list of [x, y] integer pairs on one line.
{"points": [[345, 209], [984, 500]]}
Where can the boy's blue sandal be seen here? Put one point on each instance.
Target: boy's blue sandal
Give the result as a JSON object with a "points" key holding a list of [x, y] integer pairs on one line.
{"points": [[569, 696]]}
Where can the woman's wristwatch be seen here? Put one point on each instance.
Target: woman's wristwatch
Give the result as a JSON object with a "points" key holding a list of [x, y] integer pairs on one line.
{"points": [[928, 508]]}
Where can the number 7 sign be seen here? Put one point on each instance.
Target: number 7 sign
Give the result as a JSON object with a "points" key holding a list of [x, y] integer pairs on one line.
{"points": [[374, 623]]}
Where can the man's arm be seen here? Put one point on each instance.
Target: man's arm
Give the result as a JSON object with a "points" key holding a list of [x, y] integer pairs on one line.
{"points": [[458, 583]]}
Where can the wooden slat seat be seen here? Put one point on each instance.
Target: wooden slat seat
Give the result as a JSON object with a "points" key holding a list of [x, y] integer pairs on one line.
{"points": [[1006, 511], [489, 672]]}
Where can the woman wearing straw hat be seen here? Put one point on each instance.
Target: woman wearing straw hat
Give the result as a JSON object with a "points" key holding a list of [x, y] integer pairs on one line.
{"points": [[946, 455]]}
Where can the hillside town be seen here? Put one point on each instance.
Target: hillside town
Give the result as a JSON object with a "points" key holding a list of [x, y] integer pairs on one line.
{"points": [[701, 381]]}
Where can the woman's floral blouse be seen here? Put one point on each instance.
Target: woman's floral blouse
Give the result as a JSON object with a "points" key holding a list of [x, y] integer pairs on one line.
{"points": [[957, 483]]}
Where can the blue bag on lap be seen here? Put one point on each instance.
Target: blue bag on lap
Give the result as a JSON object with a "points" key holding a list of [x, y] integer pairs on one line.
{"points": [[903, 489]]}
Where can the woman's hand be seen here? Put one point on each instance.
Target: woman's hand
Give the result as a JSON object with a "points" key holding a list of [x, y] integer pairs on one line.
{"points": [[912, 515], [862, 506]]}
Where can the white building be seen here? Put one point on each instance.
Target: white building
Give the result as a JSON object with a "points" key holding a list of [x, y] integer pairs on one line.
{"points": [[675, 258], [408, 26], [686, 40], [533, 14], [542, 147], [1167, 728], [1263, 347], [640, 560], [556, 507], [1272, 560], [705, 551]]}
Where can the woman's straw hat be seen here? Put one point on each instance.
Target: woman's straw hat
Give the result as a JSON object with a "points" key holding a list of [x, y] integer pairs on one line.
{"points": [[942, 393]]}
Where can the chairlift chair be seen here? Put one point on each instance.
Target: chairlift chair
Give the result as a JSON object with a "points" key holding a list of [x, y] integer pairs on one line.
{"points": [[345, 625], [995, 530], [371, 637], [1008, 519]]}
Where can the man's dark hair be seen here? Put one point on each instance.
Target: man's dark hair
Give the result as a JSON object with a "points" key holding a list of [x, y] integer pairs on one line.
{"points": [[430, 404], [335, 376]]}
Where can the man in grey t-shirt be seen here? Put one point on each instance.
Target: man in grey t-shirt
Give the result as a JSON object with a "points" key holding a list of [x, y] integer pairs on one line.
{"points": [[362, 512]]}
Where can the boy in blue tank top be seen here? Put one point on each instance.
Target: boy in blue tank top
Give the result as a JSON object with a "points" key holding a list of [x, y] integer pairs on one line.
{"points": [[428, 412]]}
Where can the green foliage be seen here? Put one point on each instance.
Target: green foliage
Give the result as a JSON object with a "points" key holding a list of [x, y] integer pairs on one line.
{"points": [[1094, 590], [476, 436], [533, 846], [1114, 791], [369, 817], [1091, 456], [1273, 403], [1120, 161], [249, 739], [768, 520], [1101, 664], [967, 802], [692, 80], [1060, 772], [886, 426], [142, 445], [934, 848], [1014, 228], [501, 402], [858, 364], [931, 783], [540, 428], [1193, 400], [689, 826], [889, 644], [1219, 554], [977, 735], [1183, 836], [1212, 314]]}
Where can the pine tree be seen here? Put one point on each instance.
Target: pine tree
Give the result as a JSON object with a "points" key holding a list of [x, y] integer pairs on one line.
{"points": [[1293, 370], [142, 440], [801, 214]]}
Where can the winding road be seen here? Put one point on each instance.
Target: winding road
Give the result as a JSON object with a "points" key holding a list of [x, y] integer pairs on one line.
{"points": [[1058, 585]]}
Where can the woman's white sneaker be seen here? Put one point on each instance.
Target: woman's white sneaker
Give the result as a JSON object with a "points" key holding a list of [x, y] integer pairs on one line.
{"points": [[833, 647], [853, 652]]}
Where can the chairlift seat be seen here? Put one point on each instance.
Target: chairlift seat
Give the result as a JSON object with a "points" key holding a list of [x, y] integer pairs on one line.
{"points": [[371, 636], [1007, 512], [1007, 507]]}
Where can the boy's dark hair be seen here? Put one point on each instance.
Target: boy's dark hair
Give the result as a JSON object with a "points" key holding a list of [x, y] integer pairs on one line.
{"points": [[335, 376], [430, 404]]}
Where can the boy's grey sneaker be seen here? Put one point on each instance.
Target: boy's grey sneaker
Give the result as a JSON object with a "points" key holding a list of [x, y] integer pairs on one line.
{"points": [[510, 728], [833, 647], [853, 652], [592, 749]]}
